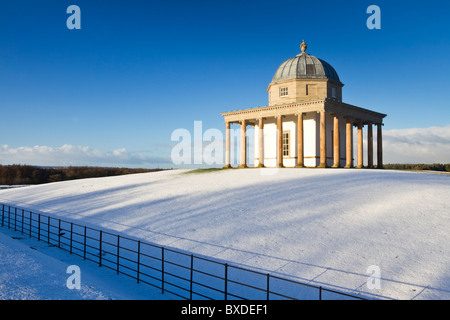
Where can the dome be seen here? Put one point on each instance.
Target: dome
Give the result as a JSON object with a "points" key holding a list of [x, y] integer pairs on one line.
{"points": [[305, 66]]}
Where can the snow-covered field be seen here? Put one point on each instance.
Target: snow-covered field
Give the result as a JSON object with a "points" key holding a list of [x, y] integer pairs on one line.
{"points": [[30, 270], [320, 226]]}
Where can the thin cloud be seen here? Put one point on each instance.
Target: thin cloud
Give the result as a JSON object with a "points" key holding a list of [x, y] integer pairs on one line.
{"points": [[417, 145], [69, 155], [414, 145]]}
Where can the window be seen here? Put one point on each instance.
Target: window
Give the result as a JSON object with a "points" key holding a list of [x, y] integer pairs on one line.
{"points": [[311, 90], [286, 144], [333, 92], [283, 91]]}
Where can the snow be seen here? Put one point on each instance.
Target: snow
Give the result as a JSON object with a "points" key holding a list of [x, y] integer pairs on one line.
{"points": [[319, 226], [31, 270]]}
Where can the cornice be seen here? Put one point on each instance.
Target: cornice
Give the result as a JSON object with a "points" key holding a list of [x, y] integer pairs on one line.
{"points": [[315, 105]]}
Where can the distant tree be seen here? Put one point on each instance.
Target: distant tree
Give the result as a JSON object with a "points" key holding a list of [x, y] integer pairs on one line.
{"points": [[25, 174], [418, 166]]}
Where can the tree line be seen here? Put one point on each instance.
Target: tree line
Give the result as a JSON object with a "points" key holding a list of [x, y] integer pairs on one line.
{"points": [[26, 174], [419, 166]]}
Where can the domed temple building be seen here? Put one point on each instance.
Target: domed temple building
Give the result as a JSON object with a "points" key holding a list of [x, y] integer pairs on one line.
{"points": [[306, 124]]}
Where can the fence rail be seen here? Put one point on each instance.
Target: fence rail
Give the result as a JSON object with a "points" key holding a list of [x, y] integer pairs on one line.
{"points": [[181, 274]]}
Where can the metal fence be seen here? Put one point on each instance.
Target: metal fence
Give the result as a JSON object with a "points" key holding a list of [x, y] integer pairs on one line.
{"points": [[179, 273]]}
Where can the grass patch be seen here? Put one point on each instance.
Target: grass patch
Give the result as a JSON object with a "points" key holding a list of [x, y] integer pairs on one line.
{"points": [[202, 170]]}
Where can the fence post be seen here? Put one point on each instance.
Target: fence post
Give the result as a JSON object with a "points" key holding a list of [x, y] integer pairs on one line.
{"points": [[162, 270], [39, 227], [139, 259], [31, 221], [71, 232], [226, 281], [320, 292], [48, 229], [15, 219], [23, 214], [268, 292], [118, 246], [59, 233], [84, 245], [100, 250], [3, 213], [192, 276]]}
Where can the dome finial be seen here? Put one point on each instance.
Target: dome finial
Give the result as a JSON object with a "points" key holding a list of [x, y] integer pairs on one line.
{"points": [[303, 46]]}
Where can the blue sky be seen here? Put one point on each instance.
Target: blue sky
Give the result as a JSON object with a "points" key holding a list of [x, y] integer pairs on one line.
{"points": [[113, 92]]}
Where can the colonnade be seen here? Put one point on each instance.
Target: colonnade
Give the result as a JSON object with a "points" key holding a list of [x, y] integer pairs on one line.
{"points": [[348, 132]]}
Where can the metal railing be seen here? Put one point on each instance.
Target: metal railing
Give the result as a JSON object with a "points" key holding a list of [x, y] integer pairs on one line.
{"points": [[179, 273]]}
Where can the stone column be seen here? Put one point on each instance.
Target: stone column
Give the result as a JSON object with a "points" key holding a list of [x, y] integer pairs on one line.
{"points": [[360, 144], [261, 143], [379, 146], [227, 146], [280, 141], [336, 148], [243, 163], [369, 145], [323, 150], [300, 147], [348, 143]]}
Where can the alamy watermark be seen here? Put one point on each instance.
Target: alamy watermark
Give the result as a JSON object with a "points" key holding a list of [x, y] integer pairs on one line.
{"points": [[191, 149], [74, 280], [207, 147], [74, 20], [374, 280], [374, 20]]}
